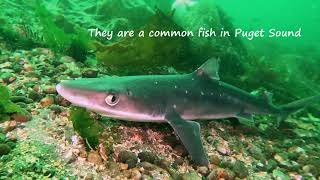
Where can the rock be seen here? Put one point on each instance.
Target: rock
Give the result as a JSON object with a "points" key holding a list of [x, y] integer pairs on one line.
{"points": [[8, 77], [16, 99], [135, 174], [47, 101], [180, 150], [49, 90], [129, 158], [224, 150], [310, 169], [210, 139], [240, 169], [9, 126], [69, 157], [55, 108], [278, 174], [90, 73], [62, 101], [148, 156], [124, 166], [27, 67], [147, 166], [4, 149], [164, 164], [20, 117], [203, 170], [271, 165], [215, 159], [218, 173], [34, 95], [190, 176], [94, 158]]}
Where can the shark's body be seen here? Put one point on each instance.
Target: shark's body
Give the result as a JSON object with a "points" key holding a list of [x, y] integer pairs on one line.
{"points": [[175, 99]]}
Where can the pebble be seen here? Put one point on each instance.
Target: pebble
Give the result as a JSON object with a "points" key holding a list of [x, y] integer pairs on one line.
{"points": [[69, 157], [218, 173], [129, 158], [94, 158], [27, 67], [9, 126], [124, 166], [147, 166], [90, 73], [190, 176], [19, 117], [215, 159], [49, 90], [135, 174], [180, 150], [47, 101], [240, 169], [4, 149], [62, 101], [148, 156], [203, 170]]}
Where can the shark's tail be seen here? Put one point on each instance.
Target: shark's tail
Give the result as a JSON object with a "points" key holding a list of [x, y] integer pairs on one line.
{"points": [[287, 109]]}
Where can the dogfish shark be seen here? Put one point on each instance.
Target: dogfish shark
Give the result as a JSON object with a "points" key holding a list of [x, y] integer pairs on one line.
{"points": [[179, 100]]}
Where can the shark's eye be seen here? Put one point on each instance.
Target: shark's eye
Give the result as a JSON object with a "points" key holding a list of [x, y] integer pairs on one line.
{"points": [[112, 99]]}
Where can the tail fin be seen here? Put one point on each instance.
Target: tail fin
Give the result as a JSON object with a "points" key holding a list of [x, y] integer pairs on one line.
{"points": [[295, 106]]}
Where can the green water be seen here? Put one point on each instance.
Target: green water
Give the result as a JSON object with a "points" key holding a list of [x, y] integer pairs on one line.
{"points": [[44, 42]]}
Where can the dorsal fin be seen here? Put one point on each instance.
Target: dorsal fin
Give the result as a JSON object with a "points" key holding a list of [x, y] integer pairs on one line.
{"points": [[210, 68]]}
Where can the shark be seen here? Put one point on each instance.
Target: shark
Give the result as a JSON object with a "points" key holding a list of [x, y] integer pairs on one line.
{"points": [[179, 100]]}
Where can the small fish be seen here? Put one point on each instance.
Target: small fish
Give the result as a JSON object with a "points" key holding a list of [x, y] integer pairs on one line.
{"points": [[175, 99]]}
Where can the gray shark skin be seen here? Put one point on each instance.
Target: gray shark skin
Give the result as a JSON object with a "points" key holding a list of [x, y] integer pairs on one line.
{"points": [[176, 99]]}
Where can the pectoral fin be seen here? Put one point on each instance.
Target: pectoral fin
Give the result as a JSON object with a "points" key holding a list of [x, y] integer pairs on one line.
{"points": [[189, 134], [245, 118]]}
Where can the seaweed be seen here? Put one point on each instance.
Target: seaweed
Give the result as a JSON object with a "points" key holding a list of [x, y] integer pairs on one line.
{"points": [[88, 128], [67, 39], [6, 106], [146, 53]]}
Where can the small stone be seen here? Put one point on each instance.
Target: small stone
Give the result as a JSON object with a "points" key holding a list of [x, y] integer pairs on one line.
{"points": [[94, 158], [240, 169], [27, 67], [203, 170], [124, 166], [4, 149], [34, 95], [9, 126], [69, 157], [148, 156], [47, 101], [180, 150], [310, 169], [129, 158], [62, 101], [147, 166], [49, 90], [90, 73], [218, 173], [215, 159], [20, 117], [190, 176], [135, 174]]}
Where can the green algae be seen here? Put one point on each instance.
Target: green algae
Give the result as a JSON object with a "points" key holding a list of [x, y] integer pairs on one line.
{"points": [[88, 128], [68, 39], [6, 105]]}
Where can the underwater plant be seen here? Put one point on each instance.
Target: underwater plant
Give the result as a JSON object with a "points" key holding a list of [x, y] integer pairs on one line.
{"points": [[69, 40], [88, 128], [6, 106], [141, 53]]}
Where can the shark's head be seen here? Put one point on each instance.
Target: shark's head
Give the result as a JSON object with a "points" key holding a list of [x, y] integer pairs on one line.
{"points": [[108, 96]]}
